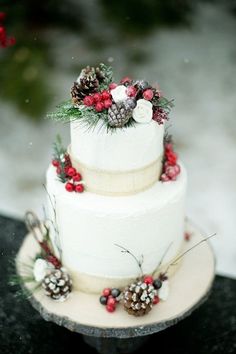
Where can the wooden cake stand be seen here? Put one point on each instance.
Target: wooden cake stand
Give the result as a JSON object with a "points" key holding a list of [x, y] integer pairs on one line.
{"points": [[111, 332]]}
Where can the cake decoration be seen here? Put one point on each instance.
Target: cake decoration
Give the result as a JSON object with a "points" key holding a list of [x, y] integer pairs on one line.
{"points": [[48, 271], [171, 169], [97, 98], [65, 171]]}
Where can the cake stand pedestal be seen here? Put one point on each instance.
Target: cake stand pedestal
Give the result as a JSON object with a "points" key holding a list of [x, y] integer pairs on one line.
{"points": [[120, 333]]}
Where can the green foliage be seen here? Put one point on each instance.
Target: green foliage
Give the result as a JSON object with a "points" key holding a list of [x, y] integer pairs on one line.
{"points": [[108, 73]]}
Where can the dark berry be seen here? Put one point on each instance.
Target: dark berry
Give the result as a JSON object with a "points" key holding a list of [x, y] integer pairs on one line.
{"points": [[157, 284], [115, 292], [103, 300]]}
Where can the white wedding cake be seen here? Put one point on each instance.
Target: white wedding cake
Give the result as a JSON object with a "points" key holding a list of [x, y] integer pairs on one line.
{"points": [[118, 189]]}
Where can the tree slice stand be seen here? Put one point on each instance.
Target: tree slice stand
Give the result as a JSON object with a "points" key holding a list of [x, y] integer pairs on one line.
{"points": [[111, 332]]}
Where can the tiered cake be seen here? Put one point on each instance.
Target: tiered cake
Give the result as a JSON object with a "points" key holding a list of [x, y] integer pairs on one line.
{"points": [[133, 187]]}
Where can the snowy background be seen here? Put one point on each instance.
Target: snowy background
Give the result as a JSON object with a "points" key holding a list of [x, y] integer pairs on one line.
{"points": [[193, 63]]}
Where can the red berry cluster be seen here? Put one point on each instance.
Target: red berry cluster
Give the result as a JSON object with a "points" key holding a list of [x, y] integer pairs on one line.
{"points": [[170, 167], [68, 174], [5, 41], [109, 298], [160, 115], [99, 100]]}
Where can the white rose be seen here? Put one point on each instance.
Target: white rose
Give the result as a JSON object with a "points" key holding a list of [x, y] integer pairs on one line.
{"points": [[40, 269], [119, 93], [163, 292], [142, 113]]}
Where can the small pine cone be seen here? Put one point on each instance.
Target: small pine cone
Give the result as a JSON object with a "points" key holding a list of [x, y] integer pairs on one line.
{"points": [[76, 94], [138, 298], [99, 74], [57, 284], [118, 115]]}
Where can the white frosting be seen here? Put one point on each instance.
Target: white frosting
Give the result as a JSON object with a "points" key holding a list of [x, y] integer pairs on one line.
{"points": [[91, 225], [120, 150]]}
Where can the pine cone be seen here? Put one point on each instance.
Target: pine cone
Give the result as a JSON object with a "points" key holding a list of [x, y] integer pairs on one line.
{"points": [[138, 298], [118, 115], [57, 284], [88, 83]]}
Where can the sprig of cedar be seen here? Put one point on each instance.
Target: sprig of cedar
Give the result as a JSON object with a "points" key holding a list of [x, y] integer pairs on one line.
{"points": [[59, 155]]}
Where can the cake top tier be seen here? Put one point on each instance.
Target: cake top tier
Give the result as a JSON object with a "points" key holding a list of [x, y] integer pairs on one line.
{"points": [[97, 99]]}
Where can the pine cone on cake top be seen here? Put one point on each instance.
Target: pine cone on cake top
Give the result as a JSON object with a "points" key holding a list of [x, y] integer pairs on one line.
{"points": [[119, 114], [87, 83], [57, 284], [139, 298]]}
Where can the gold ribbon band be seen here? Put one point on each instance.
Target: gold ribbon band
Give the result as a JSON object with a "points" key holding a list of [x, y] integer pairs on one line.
{"points": [[117, 183]]}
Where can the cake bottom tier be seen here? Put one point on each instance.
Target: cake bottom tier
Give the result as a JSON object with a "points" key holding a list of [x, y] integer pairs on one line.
{"points": [[93, 231]]}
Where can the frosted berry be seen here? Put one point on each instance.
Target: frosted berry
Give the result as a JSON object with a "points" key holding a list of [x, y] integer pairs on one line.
{"points": [[55, 163], [77, 177], [99, 106], [148, 279], [112, 86], [131, 91], [88, 101], [79, 188], [171, 157], [125, 80], [111, 301], [157, 284], [164, 178], [105, 95], [177, 169], [103, 300], [107, 103], [170, 172], [97, 97], [115, 292], [110, 308], [148, 94], [156, 300], [71, 171], [106, 292], [69, 187]]}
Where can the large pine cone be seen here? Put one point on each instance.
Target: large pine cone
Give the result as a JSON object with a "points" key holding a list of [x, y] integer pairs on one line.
{"points": [[88, 83], [118, 115], [138, 298], [57, 284]]}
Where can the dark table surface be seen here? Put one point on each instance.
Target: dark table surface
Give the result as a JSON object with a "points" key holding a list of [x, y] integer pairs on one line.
{"points": [[210, 329]]}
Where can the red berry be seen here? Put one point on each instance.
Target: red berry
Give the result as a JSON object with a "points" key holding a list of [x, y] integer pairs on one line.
{"points": [[69, 187], [131, 91], [110, 308], [177, 169], [105, 95], [148, 279], [156, 300], [71, 171], [107, 103], [99, 106], [111, 301], [125, 80], [97, 97], [171, 157], [170, 172], [112, 86], [58, 170], [148, 94], [55, 163], [106, 292], [88, 101], [168, 147], [79, 188], [77, 177]]}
